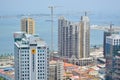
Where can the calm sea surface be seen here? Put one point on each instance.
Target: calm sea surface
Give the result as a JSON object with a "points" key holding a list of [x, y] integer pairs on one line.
{"points": [[43, 27]]}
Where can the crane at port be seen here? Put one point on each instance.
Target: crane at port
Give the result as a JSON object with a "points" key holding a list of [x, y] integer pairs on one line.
{"points": [[106, 28]]}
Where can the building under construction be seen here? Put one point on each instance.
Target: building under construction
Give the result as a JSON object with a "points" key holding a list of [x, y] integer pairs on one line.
{"points": [[74, 40]]}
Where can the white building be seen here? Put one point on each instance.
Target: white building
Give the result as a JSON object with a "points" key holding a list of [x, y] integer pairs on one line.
{"points": [[31, 57]]}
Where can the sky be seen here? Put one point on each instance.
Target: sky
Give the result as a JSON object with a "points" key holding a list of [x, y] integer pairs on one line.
{"points": [[41, 6]]}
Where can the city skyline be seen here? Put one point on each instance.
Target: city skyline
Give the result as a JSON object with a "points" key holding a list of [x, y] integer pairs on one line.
{"points": [[38, 44], [9, 26], [108, 12], [98, 15]]}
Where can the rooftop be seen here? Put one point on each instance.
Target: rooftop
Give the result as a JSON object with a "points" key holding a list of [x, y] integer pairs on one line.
{"points": [[114, 36], [24, 40]]}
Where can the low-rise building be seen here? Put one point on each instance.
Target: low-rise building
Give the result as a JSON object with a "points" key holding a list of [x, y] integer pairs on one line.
{"points": [[56, 69]]}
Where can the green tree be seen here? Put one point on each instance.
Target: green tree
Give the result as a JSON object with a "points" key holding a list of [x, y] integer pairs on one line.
{"points": [[1, 78]]}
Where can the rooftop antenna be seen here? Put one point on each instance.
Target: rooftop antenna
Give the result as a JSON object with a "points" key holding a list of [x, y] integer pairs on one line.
{"points": [[111, 25], [85, 13]]}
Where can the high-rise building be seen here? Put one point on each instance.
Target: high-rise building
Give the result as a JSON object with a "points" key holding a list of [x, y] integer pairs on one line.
{"points": [[28, 25], [107, 33], [67, 38], [31, 57], [112, 54], [74, 39], [84, 36]]}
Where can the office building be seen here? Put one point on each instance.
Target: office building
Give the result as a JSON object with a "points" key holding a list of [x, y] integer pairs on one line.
{"points": [[31, 57], [107, 33], [28, 25], [74, 40], [112, 56]]}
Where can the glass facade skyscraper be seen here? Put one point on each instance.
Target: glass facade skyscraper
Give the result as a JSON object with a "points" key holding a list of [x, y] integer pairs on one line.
{"points": [[112, 57]]}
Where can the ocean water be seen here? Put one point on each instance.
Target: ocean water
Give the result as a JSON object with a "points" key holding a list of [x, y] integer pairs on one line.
{"points": [[43, 28]]}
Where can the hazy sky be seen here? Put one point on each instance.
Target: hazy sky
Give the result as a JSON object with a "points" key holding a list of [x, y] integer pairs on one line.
{"points": [[41, 6]]}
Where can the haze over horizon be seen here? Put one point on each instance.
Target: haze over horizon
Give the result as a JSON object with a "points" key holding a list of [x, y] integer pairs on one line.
{"points": [[38, 6]]}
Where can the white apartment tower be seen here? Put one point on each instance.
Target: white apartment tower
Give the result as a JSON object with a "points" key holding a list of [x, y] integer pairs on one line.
{"points": [[28, 25], [31, 57], [74, 38]]}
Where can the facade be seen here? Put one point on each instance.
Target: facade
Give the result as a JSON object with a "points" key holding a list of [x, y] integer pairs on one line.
{"points": [[56, 69], [112, 50], [74, 40], [28, 25], [107, 33], [31, 57], [60, 70], [67, 38], [84, 37], [116, 66], [52, 70]]}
